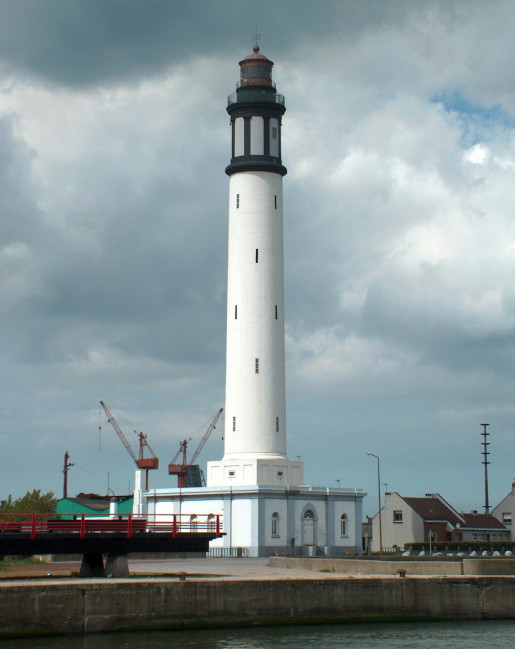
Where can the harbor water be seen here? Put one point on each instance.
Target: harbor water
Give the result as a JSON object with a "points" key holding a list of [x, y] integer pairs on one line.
{"points": [[413, 635]]}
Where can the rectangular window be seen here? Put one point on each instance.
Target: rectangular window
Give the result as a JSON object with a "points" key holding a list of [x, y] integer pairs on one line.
{"points": [[280, 474], [274, 132], [234, 423], [257, 135], [256, 366], [257, 255], [277, 424], [239, 136], [275, 201], [237, 201], [231, 474], [235, 311], [474, 537], [276, 311], [397, 516], [506, 517]]}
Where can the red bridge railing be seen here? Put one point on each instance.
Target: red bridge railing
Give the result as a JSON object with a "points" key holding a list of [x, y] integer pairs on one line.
{"points": [[129, 524]]}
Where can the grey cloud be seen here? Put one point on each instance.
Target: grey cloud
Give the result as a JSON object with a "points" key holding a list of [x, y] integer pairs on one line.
{"points": [[76, 43]]}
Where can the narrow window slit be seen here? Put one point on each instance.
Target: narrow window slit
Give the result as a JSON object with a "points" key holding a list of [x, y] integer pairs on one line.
{"points": [[257, 255], [276, 311], [235, 311], [237, 201], [256, 366]]}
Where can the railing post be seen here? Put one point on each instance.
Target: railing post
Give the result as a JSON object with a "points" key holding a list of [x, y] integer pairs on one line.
{"points": [[82, 526], [174, 527], [218, 525], [33, 527], [129, 527]]}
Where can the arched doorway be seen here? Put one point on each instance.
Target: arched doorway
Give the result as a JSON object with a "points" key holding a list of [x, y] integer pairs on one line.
{"points": [[308, 527]]}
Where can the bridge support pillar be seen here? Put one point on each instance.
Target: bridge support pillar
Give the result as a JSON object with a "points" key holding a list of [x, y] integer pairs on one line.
{"points": [[92, 565], [116, 566]]}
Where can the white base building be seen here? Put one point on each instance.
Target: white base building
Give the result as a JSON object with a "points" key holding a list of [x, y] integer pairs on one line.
{"points": [[261, 521]]}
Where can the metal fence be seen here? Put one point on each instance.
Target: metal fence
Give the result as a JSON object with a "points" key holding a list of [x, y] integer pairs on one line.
{"points": [[230, 553]]}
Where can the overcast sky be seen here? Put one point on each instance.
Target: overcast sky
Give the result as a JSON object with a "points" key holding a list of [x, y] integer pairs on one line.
{"points": [[399, 139]]}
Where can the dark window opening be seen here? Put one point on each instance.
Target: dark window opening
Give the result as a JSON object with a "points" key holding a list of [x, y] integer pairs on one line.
{"points": [[235, 311], [237, 201], [234, 423], [256, 366], [277, 424], [257, 255], [275, 201], [276, 311]]}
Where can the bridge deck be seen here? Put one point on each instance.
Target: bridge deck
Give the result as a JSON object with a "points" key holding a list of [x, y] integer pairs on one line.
{"points": [[88, 534]]}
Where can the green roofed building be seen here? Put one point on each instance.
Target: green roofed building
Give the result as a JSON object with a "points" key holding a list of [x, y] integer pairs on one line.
{"points": [[94, 504]]}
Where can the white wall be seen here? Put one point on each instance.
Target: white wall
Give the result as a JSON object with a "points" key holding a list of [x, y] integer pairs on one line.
{"points": [[247, 515], [255, 401], [411, 528], [505, 512]]}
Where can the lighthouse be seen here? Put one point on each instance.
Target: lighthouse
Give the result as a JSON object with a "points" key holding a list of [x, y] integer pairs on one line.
{"points": [[255, 402], [259, 493]]}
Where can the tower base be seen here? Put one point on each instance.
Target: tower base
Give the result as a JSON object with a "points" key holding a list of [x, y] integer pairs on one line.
{"points": [[272, 472]]}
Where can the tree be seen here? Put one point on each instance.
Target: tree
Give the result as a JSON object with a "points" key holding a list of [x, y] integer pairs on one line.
{"points": [[31, 502]]}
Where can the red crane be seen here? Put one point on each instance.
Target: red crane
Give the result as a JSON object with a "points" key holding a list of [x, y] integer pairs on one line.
{"points": [[189, 472], [142, 462]]}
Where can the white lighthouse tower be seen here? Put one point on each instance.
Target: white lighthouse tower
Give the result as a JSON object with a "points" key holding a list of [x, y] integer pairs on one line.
{"points": [[255, 404], [260, 494]]}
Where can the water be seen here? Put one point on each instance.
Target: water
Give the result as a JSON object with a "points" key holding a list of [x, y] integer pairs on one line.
{"points": [[417, 635]]}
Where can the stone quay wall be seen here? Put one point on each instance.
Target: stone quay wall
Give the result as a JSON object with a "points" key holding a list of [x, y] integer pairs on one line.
{"points": [[77, 607]]}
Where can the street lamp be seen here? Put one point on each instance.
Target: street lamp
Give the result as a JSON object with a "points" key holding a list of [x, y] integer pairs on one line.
{"points": [[379, 500]]}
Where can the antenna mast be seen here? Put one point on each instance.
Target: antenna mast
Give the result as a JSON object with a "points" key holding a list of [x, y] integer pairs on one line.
{"points": [[485, 454]]}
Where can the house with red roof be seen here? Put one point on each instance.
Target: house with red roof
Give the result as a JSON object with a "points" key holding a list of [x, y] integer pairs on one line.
{"points": [[406, 520]]}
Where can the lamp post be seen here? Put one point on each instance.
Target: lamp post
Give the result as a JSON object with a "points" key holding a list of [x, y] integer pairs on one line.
{"points": [[379, 500]]}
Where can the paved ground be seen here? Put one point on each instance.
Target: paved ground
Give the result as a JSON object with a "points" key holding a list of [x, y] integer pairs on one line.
{"points": [[196, 568], [251, 568]]}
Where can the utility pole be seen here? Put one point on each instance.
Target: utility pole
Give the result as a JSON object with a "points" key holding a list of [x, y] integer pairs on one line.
{"points": [[485, 454], [379, 501], [66, 467]]}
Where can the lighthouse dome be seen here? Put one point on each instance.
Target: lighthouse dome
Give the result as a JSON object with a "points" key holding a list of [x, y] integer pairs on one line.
{"points": [[256, 69]]}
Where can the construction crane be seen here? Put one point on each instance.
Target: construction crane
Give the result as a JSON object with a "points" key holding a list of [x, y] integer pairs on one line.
{"points": [[142, 462], [189, 474]]}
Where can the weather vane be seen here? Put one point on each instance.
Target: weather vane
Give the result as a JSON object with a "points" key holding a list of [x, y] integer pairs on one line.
{"points": [[256, 36]]}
